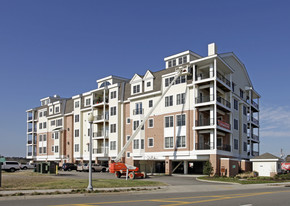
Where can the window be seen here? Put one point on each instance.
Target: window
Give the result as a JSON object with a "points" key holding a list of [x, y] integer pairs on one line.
{"points": [[233, 86], [128, 137], [174, 62], [150, 142], [77, 147], [148, 84], [56, 149], [142, 143], [136, 144], [44, 113], [150, 103], [77, 133], [236, 104], [77, 118], [52, 122], [44, 149], [52, 135], [40, 125], [113, 111], [180, 120], [40, 150], [180, 60], [40, 114], [40, 138], [77, 104], [245, 146], [128, 154], [59, 122], [168, 101], [184, 59], [168, 142], [128, 120], [89, 132], [180, 80], [180, 98], [180, 141], [56, 109], [113, 128], [88, 101], [241, 93], [169, 63], [44, 137], [236, 144], [44, 125], [113, 95], [245, 128], [169, 121], [150, 123], [136, 89], [56, 135], [52, 148], [135, 124], [113, 145], [236, 124], [245, 110], [168, 81], [138, 108]]}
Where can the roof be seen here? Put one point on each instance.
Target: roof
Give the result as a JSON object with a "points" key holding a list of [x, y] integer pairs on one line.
{"points": [[265, 156]]}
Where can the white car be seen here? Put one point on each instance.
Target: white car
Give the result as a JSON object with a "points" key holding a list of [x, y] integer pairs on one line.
{"points": [[27, 166], [10, 166]]}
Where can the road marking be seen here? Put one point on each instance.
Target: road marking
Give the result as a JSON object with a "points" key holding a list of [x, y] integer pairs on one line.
{"points": [[175, 201]]}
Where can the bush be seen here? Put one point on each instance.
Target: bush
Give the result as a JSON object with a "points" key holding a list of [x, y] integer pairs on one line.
{"points": [[207, 168]]}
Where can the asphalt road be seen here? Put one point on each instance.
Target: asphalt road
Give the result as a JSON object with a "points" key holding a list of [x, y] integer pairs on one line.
{"points": [[267, 196]]}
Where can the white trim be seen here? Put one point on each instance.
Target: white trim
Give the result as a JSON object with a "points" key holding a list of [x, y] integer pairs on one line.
{"points": [[144, 95]]}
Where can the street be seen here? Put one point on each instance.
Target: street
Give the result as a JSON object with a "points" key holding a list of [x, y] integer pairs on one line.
{"points": [[259, 196]]}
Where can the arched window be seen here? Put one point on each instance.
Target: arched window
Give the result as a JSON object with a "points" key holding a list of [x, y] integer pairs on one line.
{"points": [[105, 84]]}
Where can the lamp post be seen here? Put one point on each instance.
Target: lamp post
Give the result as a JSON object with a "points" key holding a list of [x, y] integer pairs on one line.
{"points": [[90, 119]]}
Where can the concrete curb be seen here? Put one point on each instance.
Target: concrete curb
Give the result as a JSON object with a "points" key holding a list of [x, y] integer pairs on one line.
{"points": [[42, 192], [220, 182]]}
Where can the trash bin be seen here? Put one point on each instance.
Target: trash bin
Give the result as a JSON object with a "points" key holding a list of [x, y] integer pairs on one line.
{"points": [[44, 168], [51, 167]]}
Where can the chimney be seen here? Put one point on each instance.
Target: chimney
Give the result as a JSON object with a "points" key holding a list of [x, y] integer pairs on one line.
{"points": [[212, 49]]}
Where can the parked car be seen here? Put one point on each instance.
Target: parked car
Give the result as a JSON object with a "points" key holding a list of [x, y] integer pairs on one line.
{"points": [[27, 166], [69, 166], [80, 167], [95, 168], [10, 166]]}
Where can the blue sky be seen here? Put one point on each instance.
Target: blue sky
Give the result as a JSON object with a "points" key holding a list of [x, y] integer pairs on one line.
{"points": [[63, 47]]}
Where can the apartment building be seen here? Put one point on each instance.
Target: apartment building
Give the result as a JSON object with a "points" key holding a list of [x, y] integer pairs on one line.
{"points": [[211, 114]]}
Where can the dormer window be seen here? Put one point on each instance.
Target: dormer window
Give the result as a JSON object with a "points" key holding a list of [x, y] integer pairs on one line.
{"points": [[56, 109], [169, 63], [174, 62], [148, 84], [105, 84], [136, 89], [184, 59], [180, 60]]}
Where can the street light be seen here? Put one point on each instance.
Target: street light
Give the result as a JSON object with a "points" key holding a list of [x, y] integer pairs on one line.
{"points": [[90, 119]]}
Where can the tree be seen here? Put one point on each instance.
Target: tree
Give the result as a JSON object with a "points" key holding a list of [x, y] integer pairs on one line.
{"points": [[207, 168]]}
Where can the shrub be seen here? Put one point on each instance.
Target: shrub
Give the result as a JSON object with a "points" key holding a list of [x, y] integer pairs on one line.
{"points": [[207, 168]]}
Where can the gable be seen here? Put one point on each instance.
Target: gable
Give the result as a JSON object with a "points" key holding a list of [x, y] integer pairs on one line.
{"points": [[136, 78], [148, 75]]}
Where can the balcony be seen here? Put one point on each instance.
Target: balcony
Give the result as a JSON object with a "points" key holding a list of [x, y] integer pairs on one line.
{"points": [[100, 134], [100, 101], [203, 99], [255, 104], [101, 150], [254, 120], [223, 102], [29, 130], [253, 136], [224, 147], [29, 118], [254, 153], [101, 117], [200, 146], [29, 154], [138, 111], [224, 125], [223, 79], [201, 76], [204, 122]]}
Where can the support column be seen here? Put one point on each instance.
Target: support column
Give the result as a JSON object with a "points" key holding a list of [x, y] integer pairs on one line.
{"points": [[185, 165], [168, 166]]}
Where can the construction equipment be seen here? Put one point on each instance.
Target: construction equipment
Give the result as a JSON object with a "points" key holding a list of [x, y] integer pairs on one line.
{"points": [[123, 169]]}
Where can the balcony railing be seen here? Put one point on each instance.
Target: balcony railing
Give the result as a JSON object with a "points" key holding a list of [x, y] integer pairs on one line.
{"points": [[138, 111], [255, 104], [29, 154], [224, 124], [253, 119], [224, 147], [100, 101], [29, 118], [200, 146], [99, 134], [202, 99], [223, 102], [255, 137], [101, 150], [201, 76], [101, 117], [223, 79], [205, 122], [255, 153]]}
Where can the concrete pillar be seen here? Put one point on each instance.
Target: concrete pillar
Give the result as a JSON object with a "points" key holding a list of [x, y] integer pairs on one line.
{"points": [[185, 165], [168, 166]]}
